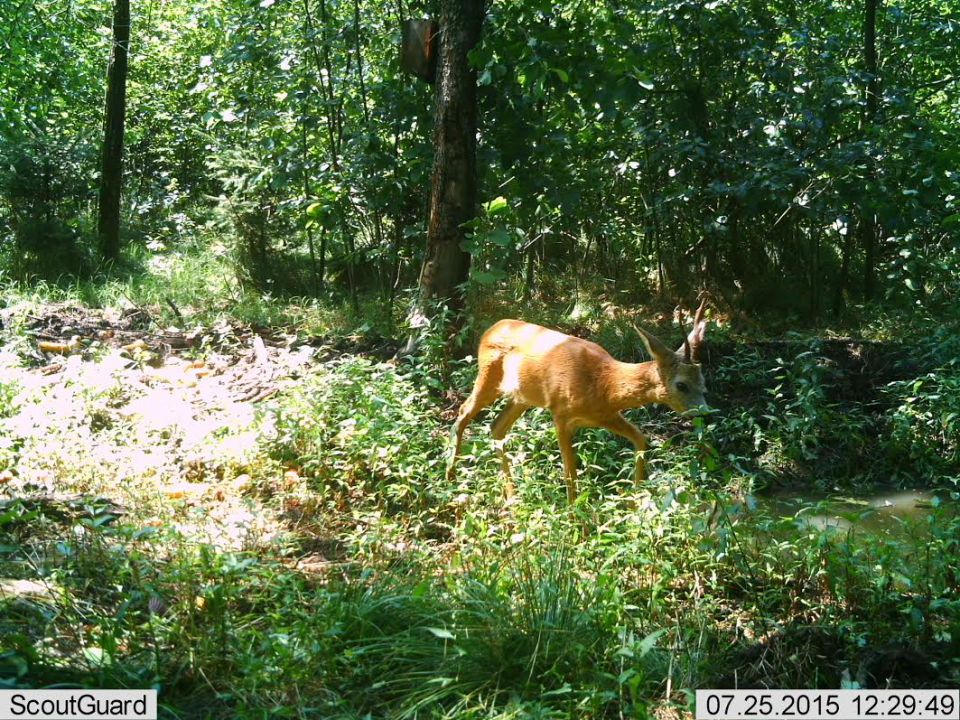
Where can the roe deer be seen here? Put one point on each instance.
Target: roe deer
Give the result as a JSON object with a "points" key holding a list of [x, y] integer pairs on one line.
{"points": [[580, 383]]}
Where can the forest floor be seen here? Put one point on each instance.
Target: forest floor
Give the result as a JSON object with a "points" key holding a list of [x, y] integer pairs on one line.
{"points": [[249, 516], [166, 420], [158, 428]]}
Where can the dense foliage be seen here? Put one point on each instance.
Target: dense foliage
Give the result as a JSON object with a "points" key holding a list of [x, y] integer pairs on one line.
{"points": [[742, 145], [388, 592]]}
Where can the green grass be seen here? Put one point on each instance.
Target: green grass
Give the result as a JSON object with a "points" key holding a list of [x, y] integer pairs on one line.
{"points": [[201, 284], [393, 593]]}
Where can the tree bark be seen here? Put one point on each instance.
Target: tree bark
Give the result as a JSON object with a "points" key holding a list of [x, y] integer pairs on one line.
{"points": [[867, 228], [453, 199], [111, 172], [307, 194], [310, 36], [870, 57], [839, 300]]}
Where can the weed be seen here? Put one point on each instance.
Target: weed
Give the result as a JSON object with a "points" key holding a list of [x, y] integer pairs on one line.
{"points": [[384, 591]]}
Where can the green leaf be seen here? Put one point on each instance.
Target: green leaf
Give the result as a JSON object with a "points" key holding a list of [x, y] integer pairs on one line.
{"points": [[97, 656], [488, 278], [496, 206], [643, 79], [499, 237], [647, 644]]}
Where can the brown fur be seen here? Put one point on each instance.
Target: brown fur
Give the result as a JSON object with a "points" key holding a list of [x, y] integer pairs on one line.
{"points": [[580, 383]]}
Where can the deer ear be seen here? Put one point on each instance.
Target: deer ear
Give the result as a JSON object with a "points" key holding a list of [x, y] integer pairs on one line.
{"points": [[658, 351]]}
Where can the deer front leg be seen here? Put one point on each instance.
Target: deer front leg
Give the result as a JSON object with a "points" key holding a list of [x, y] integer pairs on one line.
{"points": [[484, 392], [565, 440], [621, 426]]}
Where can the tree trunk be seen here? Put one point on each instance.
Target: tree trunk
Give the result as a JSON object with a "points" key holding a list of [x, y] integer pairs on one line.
{"points": [[310, 36], [867, 228], [363, 87], [307, 195], [111, 172], [529, 279], [870, 57], [453, 199], [839, 300]]}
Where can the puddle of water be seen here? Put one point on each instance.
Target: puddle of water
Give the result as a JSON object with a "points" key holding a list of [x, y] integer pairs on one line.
{"points": [[880, 513]]}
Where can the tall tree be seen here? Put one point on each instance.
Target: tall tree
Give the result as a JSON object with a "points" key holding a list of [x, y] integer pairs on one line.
{"points": [[868, 224], [453, 197], [111, 169]]}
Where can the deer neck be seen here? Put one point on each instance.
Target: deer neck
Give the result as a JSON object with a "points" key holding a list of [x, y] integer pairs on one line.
{"points": [[636, 384]]}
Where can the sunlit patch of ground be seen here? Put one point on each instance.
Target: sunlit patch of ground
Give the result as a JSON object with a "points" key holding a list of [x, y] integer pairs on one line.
{"points": [[171, 436]]}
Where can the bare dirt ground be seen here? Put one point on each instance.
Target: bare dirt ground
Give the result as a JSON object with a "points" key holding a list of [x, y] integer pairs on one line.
{"points": [[161, 424]]}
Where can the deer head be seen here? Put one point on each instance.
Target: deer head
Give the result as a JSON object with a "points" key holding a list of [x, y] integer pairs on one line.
{"points": [[679, 370]]}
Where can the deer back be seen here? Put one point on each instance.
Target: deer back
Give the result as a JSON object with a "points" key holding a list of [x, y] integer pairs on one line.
{"points": [[571, 376]]}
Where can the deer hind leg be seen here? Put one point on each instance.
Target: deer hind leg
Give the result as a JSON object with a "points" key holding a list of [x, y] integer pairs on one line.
{"points": [[485, 391], [621, 426], [501, 426], [565, 432]]}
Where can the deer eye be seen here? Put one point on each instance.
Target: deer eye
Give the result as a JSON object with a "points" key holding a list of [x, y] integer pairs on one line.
{"points": [[682, 387]]}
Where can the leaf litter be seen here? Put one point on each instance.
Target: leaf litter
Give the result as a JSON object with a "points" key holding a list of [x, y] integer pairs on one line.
{"points": [[164, 423]]}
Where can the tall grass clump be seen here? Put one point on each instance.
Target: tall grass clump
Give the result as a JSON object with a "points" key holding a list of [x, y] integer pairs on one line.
{"points": [[532, 630]]}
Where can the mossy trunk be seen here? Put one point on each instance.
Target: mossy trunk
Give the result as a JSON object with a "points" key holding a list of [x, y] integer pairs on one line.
{"points": [[453, 198]]}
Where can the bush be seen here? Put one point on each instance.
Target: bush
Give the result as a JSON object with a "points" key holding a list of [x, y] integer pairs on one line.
{"points": [[41, 183], [363, 430], [50, 249], [924, 437]]}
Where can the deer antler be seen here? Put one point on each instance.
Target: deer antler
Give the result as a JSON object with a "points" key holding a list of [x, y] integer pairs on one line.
{"points": [[690, 350]]}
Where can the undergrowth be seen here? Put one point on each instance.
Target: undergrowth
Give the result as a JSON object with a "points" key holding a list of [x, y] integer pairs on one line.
{"points": [[393, 593]]}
